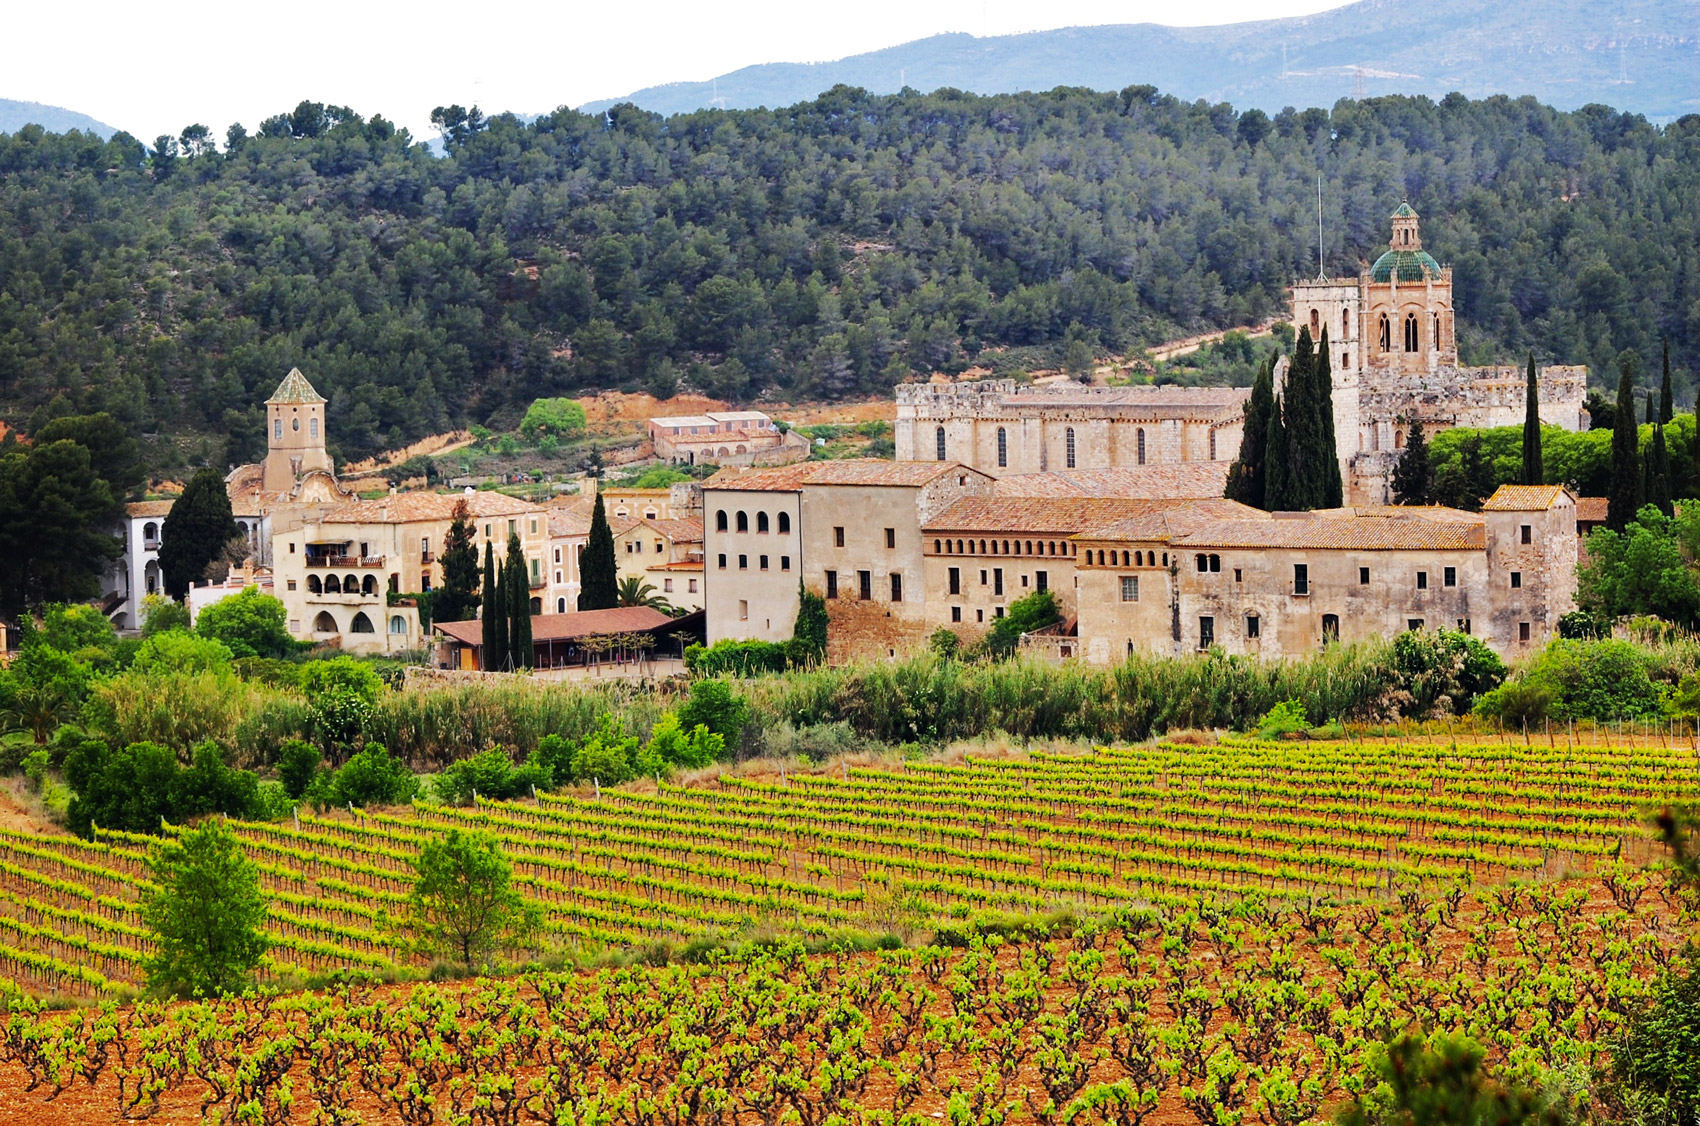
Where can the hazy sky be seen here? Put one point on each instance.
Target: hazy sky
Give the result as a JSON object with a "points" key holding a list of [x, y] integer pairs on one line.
{"points": [[155, 67]]}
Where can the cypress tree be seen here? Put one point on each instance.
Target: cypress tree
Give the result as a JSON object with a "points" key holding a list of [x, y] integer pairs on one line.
{"points": [[1246, 477], [457, 599], [1667, 404], [518, 583], [1413, 478], [597, 571], [489, 613], [1298, 413], [1658, 492], [1534, 469], [1625, 494], [194, 532], [1330, 491], [1275, 497]]}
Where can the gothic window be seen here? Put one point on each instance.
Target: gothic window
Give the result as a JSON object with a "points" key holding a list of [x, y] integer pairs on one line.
{"points": [[1410, 332], [1068, 437], [1141, 440], [1436, 336], [938, 442], [1386, 337], [1315, 323], [313, 426], [1003, 448]]}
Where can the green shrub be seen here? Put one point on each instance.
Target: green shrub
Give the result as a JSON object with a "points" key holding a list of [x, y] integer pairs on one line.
{"points": [[297, 763], [713, 704], [371, 777], [36, 765], [670, 745], [250, 623], [1442, 671], [944, 643], [1519, 704], [1286, 718], [177, 652], [490, 773], [1600, 680], [608, 756], [1579, 625], [736, 658], [1028, 613]]}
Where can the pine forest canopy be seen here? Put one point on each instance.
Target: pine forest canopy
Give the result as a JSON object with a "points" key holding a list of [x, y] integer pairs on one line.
{"points": [[824, 250]]}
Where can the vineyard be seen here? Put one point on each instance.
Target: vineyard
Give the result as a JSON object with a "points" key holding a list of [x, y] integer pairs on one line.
{"points": [[1245, 921]]}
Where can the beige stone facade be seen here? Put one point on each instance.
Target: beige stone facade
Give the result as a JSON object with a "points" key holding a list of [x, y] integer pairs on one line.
{"points": [[666, 553], [849, 530], [725, 438]]}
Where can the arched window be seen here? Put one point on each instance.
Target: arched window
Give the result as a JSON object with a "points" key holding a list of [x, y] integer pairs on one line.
{"points": [[938, 442], [351, 584], [277, 428], [1345, 322], [1410, 332], [1435, 338], [1068, 440], [333, 585], [398, 624], [1140, 437], [761, 521], [536, 605], [361, 624], [324, 623], [1315, 323], [720, 520], [150, 532], [743, 521], [1003, 449], [314, 586], [560, 605], [313, 426], [784, 523], [369, 585], [1385, 337]]}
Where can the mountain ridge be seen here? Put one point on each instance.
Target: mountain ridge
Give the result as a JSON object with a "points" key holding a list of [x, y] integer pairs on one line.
{"points": [[14, 115], [1645, 59]]}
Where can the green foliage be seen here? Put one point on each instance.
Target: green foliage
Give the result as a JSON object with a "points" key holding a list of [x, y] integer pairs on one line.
{"points": [[1641, 570], [1028, 613], [1659, 1056], [634, 590], [1248, 475], [1601, 680], [944, 643], [345, 675], [463, 904], [1534, 468], [809, 631], [560, 418], [133, 788], [607, 756], [492, 615], [1624, 496], [516, 583], [1442, 1083], [730, 657], [1440, 672], [659, 477], [180, 652], [160, 614], [57, 482], [195, 533], [456, 600], [1289, 717], [297, 763], [252, 624], [598, 570], [206, 913], [373, 776], [1580, 625], [490, 773], [672, 745], [1414, 476], [714, 705]]}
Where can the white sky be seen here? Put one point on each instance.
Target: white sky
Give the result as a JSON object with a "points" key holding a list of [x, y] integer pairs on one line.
{"points": [[152, 68]]}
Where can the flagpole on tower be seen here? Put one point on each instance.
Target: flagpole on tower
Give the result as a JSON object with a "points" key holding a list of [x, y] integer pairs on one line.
{"points": [[1319, 273]]}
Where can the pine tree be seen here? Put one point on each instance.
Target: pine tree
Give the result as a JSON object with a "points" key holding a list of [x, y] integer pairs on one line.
{"points": [[1275, 497], [597, 570], [1330, 491], [517, 583], [1413, 478], [1667, 402], [1246, 477], [1625, 494], [195, 532], [457, 599], [1658, 491], [1534, 471]]}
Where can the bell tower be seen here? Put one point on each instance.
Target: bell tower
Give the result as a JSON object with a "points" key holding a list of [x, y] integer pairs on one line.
{"points": [[295, 433]]}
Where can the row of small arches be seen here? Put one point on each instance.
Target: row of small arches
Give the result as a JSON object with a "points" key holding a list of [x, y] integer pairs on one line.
{"points": [[352, 584], [1003, 547], [742, 522], [1128, 558], [324, 623]]}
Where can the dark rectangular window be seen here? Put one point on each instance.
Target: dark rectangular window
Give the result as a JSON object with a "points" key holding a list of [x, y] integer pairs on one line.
{"points": [[831, 582], [1522, 631], [1363, 576], [764, 562], [1528, 534], [956, 613], [1422, 580], [838, 537], [891, 537], [1206, 632], [743, 562], [1413, 623], [1516, 580], [1449, 576], [1042, 580], [1301, 578], [722, 561], [865, 581], [897, 588], [1252, 625], [956, 580], [1463, 625], [784, 562], [1236, 574], [982, 577], [997, 580]]}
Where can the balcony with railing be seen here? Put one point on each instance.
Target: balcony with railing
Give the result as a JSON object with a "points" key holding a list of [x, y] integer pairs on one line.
{"points": [[356, 561]]}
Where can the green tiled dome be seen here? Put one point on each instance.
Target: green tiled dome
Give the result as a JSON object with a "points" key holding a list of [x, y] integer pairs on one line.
{"points": [[1413, 266]]}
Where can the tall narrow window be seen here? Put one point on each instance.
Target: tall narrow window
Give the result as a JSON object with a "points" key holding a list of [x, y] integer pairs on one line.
{"points": [[761, 522], [1068, 440], [1345, 323], [1410, 332], [1003, 448], [1315, 323], [784, 523], [1434, 340], [1139, 438], [1385, 335], [938, 442], [743, 521]]}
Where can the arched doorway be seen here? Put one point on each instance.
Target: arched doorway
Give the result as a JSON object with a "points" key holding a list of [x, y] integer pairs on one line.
{"points": [[324, 623], [361, 624]]}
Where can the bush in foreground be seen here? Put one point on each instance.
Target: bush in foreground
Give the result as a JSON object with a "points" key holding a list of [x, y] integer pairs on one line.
{"points": [[206, 913]]}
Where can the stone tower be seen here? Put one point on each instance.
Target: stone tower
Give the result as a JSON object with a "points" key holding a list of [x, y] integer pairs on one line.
{"points": [[295, 433]]}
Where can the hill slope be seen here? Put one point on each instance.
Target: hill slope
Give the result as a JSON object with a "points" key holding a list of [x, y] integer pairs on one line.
{"points": [[1644, 57], [54, 119]]}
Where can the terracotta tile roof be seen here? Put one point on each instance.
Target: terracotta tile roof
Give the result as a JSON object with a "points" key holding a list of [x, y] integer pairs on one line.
{"points": [[1334, 530], [295, 389], [1164, 521], [1034, 515], [1525, 498], [849, 471], [682, 529], [1199, 401], [1592, 510], [565, 522], [565, 627], [414, 507], [1180, 481], [149, 507], [677, 565]]}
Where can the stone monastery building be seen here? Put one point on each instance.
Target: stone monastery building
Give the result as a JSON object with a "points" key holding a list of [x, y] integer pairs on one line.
{"points": [[1394, 357]]}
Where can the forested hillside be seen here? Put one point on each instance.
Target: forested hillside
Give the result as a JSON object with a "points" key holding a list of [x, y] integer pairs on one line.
{"points": [[831, 248]]}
